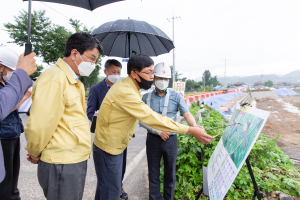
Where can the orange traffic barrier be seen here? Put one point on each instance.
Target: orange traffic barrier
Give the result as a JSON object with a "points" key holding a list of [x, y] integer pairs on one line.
{"points": [[212, 93], [207, 94], [229, 91], [184, 98], [203, 95], [216, 93], [191, 98], [197, 96]]}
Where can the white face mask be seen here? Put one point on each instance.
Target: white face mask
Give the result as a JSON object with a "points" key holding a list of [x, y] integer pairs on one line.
{"points": [[113, 78], [161, 84], [8, 75], [85, 68]]}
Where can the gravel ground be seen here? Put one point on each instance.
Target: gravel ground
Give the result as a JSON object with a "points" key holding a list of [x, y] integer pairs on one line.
{"points": [[281, 121], [265, 94]]}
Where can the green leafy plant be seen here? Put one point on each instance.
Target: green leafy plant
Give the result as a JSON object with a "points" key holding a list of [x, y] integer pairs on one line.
{"points": [[273, 169]]}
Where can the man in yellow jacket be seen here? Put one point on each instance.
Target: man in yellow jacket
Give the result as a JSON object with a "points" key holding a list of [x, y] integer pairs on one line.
{"points": [[118, 116], [57, 132]]}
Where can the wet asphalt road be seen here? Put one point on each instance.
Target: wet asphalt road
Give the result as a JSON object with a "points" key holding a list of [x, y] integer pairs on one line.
{"points": [[135, 184]]}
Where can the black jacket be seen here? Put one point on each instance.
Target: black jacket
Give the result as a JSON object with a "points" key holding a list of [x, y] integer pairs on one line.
{"points": [[96, 96], [11, 127]]}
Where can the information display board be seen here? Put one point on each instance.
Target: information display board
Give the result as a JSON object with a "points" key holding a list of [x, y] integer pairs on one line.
{"points": [[179, 87], [232, 150]]}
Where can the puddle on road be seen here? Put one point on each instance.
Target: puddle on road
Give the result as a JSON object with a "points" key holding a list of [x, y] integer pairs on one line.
{"points": [[289, 107]]}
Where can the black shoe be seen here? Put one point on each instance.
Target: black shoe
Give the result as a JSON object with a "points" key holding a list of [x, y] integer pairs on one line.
{"points": [[123, 195]]}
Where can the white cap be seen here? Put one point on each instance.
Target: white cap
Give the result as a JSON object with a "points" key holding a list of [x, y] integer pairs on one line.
{"points": [[8, 57], [162, 70]]}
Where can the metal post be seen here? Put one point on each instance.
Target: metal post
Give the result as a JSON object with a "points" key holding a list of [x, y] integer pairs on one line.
{"points": [[204, 81], [174, 48], [225, 76], [174, 73], [28, 45], [128, 34], [29, 22], [257, 193]]}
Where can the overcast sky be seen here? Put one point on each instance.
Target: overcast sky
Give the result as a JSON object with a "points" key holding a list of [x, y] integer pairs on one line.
{"points": [[257, 36]]}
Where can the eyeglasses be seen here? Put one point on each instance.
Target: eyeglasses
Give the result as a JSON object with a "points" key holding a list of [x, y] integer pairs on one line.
{"points": [[148, 73], [93, 60]]}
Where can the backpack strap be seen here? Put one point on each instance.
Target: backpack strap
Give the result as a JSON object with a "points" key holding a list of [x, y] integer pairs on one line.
{"points": [[165, 109], [149, 98]]}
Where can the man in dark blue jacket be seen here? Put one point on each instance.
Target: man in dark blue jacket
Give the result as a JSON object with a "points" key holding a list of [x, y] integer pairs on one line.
{"points": [[13, 84], [96, 95]]}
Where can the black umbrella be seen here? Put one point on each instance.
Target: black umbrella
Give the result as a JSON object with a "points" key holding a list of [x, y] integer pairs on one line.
{"points": [[120, 37], [87, 4]]}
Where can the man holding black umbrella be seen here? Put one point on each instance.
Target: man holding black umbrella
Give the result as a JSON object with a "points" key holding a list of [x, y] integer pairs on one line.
{"points": [[13, 84], [119, 113]]}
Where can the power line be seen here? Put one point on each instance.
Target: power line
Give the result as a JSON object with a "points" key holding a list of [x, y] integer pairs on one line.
{"points": [[188, 61]]}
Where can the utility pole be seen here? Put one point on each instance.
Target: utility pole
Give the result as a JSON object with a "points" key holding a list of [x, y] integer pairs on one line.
{"points": [[225, 75], [204, 81], [173, 41]]}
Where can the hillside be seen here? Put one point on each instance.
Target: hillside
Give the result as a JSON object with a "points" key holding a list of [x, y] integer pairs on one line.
{"points": [[290, 77]]}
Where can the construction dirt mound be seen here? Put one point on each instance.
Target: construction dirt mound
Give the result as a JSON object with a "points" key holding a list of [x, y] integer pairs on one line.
{"points": [[283, 120]]}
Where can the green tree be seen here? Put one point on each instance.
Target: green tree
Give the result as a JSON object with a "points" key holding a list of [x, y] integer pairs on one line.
{"points": [[177, 77], [192, 85], [207, 76], [48, 39], [184, 79], [40, 28], [189, 85], [209, 79], [214, 81], [37, 73], [268, 83]]}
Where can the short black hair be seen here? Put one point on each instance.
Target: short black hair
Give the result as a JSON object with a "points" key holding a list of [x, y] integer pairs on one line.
{"points": [[114, 62], [138, 62], [82, 41]]}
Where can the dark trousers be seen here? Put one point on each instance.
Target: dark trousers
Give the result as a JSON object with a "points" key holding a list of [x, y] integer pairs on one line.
{"points": [[109, 174], [11, 154], [124, 164], [157, 148], [62, 181]]}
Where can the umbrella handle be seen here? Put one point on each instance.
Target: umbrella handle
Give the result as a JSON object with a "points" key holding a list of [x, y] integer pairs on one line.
{"points": [[28, 45], [28, 49]]}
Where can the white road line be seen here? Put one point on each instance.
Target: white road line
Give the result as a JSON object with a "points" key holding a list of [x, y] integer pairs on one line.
{"points": [[134, 162]]}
